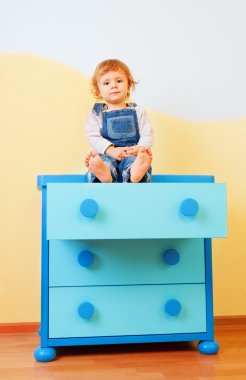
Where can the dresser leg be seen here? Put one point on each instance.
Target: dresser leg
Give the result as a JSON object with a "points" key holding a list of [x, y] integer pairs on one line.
{"points": [[208, 347], [44, 354]]}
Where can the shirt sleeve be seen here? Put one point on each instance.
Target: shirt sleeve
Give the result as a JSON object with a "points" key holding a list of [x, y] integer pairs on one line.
{"points": [[145, 128], [93, 129]]}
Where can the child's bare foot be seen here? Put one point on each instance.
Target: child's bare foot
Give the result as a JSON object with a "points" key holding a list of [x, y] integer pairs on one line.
{"points": [[96, 165], [141, 164]]}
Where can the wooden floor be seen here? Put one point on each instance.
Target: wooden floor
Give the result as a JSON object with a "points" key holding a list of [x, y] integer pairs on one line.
{"points": [[179, 361]]}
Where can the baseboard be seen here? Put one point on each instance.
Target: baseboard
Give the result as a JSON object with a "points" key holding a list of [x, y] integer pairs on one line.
{"points": [[19, 328], [230, 321], [32, 327]]}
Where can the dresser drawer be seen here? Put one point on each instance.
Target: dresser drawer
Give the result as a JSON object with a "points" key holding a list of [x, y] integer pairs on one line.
{"points": [[133, 211], [115, 311], [102, 262]]}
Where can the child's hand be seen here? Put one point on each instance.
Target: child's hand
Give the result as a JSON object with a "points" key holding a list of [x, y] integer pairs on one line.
{"points": [[117, 153], [132, 150]]}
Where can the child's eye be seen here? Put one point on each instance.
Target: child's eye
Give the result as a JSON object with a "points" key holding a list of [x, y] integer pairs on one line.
{"points": [[106, 83], [119, 80]]}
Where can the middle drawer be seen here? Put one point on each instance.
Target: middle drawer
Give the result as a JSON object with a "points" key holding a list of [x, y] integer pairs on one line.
{"points": [[122, 262]]}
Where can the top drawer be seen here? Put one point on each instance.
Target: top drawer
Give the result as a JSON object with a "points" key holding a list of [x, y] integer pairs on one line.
{"points": [[134, 211]]}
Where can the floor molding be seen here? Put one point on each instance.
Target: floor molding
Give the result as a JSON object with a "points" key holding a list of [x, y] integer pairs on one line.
{"points": [[230, 321], [19, 328], [32, 327]]}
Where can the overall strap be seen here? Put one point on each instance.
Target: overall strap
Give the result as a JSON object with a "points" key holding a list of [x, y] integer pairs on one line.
{"points": [[132, 105], [98, 107]]}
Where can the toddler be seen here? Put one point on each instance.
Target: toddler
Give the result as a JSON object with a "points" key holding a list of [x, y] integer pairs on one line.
{"points": [[119, 131]]}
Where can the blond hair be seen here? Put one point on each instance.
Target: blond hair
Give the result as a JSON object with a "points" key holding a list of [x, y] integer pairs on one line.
{"points": [[110, 65]]}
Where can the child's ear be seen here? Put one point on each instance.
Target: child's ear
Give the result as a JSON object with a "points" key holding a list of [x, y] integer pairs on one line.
{"points": [[98, 95]]}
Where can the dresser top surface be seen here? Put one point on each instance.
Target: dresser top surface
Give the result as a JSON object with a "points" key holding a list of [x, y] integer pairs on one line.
{"points": [[43, 180]]}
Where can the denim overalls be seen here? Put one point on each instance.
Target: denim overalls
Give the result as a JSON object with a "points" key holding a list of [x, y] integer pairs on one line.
{"points": [[121, 128]]}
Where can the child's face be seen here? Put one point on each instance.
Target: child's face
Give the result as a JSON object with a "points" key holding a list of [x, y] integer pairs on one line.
{"points": [[113, 87]]}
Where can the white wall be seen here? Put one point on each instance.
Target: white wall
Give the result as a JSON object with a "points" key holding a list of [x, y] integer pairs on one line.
{"points": [[189, 55]]}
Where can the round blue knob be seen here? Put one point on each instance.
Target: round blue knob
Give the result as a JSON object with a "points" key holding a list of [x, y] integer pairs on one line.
{"points": [[189, 207], [171, 257], [86, 258], [89, 208], [172, 307], [86, 310]]}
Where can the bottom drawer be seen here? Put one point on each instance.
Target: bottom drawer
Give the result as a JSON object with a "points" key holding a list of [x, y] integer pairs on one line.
{"points": [[126, 310]]}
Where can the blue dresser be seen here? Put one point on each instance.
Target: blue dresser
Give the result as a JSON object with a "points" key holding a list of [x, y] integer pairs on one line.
{"points": [[128, 263]]}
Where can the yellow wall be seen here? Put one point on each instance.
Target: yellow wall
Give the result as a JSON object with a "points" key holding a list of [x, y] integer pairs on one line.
{"points": [[43, 107]]}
